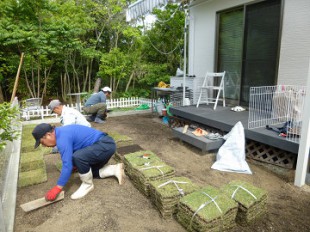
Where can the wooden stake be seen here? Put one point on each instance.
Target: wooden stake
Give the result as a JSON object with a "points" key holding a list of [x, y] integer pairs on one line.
{"points": [[17, 77], [41, 202]]}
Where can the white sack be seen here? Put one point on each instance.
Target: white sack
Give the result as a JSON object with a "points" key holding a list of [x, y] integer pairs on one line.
{"points": [[231, 155], [179, 72]]}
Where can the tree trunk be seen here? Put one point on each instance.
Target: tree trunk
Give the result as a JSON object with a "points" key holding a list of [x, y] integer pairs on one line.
{"points": [[27, 83], [97, 85], [1, 95], [46, 76], [129, 81]]}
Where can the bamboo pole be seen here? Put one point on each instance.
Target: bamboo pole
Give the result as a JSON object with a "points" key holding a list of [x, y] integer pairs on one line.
{"points": [[17, 77]]}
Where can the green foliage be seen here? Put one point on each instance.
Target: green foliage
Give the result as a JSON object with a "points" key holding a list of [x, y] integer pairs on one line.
{"points": [[68, 44], [7, 132], [113, 64], [165, 41], [154, 73], [135, 92]]}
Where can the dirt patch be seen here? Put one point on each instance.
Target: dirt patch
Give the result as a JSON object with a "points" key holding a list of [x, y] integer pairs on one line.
{"points": [[111, 207]]}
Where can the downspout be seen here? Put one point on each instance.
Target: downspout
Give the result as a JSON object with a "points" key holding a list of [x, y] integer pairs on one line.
{"points": [[185, 55]]}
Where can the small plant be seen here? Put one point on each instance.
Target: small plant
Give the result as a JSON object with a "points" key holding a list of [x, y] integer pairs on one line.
{"points": [[7, 132]]}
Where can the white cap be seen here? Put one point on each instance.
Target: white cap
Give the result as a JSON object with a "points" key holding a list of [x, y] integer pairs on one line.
{"points": [[106, 89]]}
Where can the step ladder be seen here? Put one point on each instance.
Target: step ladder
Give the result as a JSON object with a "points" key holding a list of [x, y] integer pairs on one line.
{"points": [[213, 85]]}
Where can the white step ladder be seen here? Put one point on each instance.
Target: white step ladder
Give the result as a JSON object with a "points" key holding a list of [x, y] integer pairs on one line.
{"points": [[210, 87]]}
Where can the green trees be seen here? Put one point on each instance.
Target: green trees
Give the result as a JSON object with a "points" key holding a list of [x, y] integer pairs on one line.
{"points": [[69, 43], [48, 33]]}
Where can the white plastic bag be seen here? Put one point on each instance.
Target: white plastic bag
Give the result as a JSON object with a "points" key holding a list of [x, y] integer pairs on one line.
{"points": [[231, 155], [179, 73]]}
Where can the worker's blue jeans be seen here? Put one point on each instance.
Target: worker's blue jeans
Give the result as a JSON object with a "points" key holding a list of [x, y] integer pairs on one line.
{"points": [[94, 156]]}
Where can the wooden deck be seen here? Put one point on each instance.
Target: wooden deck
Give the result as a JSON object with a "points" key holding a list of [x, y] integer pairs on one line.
{"points": [[224, 119]]}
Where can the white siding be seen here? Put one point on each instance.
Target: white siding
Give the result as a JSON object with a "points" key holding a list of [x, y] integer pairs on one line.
{"points": [[202, 34], [295, 43], [202, 37]]}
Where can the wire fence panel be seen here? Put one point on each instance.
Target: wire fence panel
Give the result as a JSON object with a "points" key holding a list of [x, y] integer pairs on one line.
{"points": [[280, 106]]}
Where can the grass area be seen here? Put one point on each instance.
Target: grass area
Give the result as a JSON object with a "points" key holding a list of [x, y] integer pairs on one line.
{"points": [[32, 168], [120, 140], [32, 177], [119, 109]]}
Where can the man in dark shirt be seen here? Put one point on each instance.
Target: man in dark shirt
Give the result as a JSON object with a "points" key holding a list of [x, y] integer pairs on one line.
{"points": [[96, 105]]}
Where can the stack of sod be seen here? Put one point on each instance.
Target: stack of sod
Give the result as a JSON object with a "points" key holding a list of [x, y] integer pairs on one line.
{"points": [[139, 158], [120, 140], [121, 151], [252, 201], [165, 194], [143, 167], [207, 210]]}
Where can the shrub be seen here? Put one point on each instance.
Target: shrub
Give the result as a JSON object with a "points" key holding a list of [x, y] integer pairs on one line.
{"points": [[8, 115]]}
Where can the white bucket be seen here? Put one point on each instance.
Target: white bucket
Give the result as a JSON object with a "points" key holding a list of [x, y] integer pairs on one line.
{"points": [[159, 107]]}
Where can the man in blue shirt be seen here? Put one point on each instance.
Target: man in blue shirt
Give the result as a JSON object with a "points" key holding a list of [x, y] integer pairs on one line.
{"points": [[82, 147], [96, 105]]}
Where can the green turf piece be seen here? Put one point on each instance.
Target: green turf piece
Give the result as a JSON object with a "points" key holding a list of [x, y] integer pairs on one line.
{"points": [[31, 161], [32, 177], [120, 140]]}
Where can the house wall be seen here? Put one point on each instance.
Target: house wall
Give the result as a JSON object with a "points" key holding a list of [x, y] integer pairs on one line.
{"points": [[202, 35], [294, 46], [295, 43]]}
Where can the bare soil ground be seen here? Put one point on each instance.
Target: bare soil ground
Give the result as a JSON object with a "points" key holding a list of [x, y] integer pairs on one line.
{"points": [[110, 207]]}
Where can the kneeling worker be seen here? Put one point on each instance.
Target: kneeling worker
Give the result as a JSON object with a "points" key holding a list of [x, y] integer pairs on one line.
{"points": [[85, 148], [96, 105]]}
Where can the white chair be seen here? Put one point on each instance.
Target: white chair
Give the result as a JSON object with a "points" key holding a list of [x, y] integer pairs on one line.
{"points": [[32, 108], [213, 85]]}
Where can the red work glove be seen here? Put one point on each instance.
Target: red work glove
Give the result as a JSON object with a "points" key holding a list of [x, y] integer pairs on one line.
{"points": [[52, 194]]}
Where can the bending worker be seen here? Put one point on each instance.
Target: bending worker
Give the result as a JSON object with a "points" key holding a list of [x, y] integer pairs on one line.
{"points": [[67, 115], [96, 105], [85, 148]]}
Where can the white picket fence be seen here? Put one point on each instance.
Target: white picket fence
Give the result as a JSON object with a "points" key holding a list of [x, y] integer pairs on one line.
{"points": [[44, 111]]}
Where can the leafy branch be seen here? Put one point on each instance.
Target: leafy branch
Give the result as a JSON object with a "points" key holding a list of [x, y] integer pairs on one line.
{"points": [[8, 115]]}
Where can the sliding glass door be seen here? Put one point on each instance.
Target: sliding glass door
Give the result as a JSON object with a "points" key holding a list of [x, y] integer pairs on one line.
{"points": [[248, 39]]}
